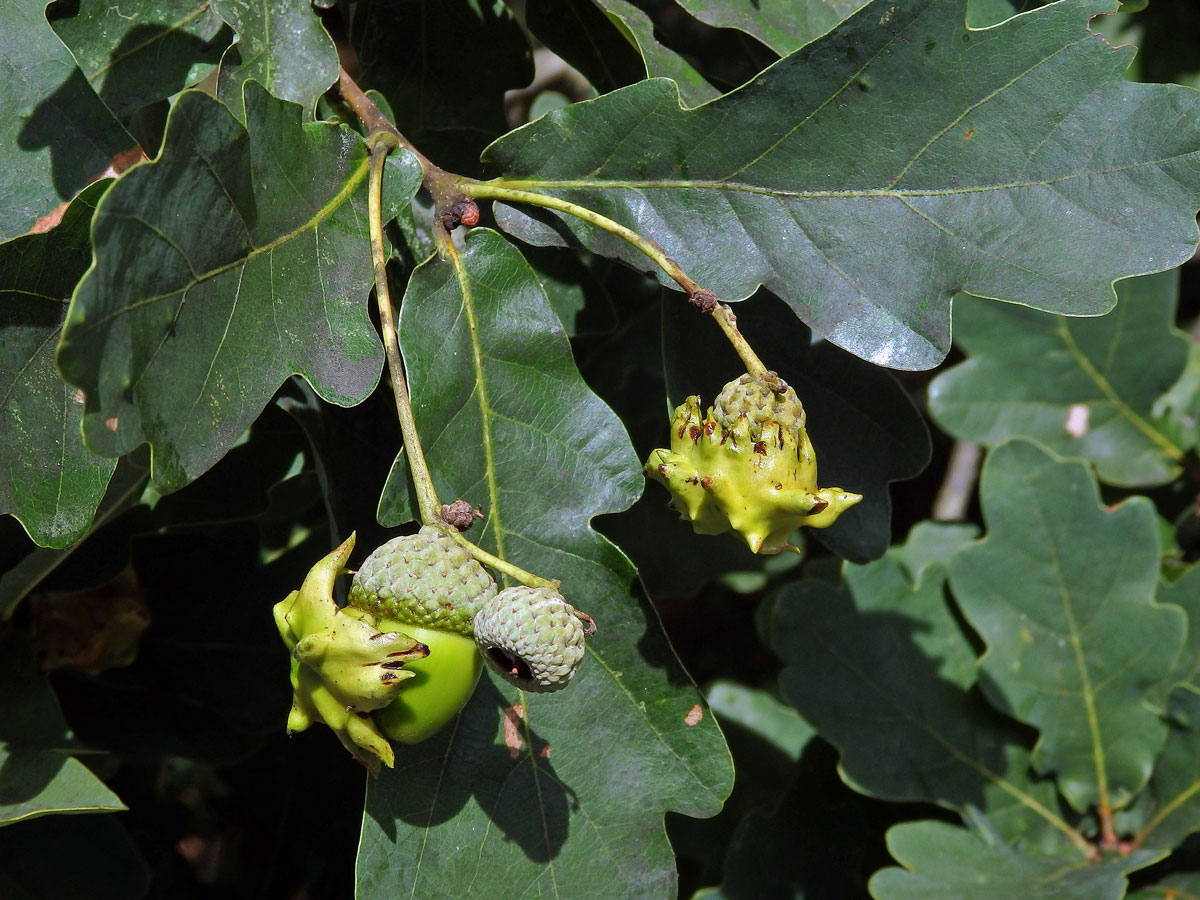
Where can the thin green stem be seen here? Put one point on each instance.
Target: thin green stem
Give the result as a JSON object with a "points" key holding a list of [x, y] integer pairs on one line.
{"points": [[503, 565], [705, 299], [727, 322], [380, 144]]}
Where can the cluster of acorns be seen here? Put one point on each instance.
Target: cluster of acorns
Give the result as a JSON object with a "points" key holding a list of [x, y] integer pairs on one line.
{"points": [[424, 615], [402, 658]]}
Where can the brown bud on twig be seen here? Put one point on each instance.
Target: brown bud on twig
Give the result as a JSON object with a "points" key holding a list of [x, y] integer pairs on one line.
{"points": [[464, 212], [460, 514], [704, 300]]}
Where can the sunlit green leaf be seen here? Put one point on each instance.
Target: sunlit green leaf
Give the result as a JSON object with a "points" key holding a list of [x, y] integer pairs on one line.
{"points": [[1086, 387], [1179, 886], [280, 44], [536, 794], [1175, 786], [1062, 591], [234, 261], [761, 714], [860, 184], [783, 25], [638, 28]]}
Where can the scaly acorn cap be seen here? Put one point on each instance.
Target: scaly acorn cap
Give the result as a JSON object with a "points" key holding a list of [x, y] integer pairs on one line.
{"points": [[748, 466], [532, 638], [759, 403], [424, 579]]}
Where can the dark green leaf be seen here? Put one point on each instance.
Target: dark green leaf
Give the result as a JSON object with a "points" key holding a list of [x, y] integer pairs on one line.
{"points": [[811, 840], [761, 714], [283, 46], [883, 673], [638, 29], [1082, 387], [37, 776], [860, 184], [1175, 786], [579, 32], [783, 25], [232, 262], [528, 794], [1179, 886], [56, 133], [1062, 591], [132, 59], [51, 482], [445, 68], [71, 856], [942, 862], [1185, 593]]}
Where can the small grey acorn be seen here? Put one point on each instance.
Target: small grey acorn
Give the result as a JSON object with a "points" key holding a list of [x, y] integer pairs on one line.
{"points": [[532, 638]]}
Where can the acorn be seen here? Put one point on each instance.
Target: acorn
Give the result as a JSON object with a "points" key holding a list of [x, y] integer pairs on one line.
{"points": [[428, 586], [532, 638]]}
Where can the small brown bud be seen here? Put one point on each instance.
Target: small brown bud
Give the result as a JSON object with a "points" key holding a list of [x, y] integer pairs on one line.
{"points": [[460, 514]]}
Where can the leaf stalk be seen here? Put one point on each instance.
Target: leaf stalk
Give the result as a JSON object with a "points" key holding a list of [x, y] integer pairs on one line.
{"points": [[720, 312], [380, 143]]}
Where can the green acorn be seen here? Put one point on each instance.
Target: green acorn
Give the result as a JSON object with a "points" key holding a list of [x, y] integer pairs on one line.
{"points": [[428, 585], [532, 637], [747, 466], [424, 579]]}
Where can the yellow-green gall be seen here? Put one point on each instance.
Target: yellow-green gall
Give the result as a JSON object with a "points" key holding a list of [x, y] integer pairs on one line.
{"points": [[747, 466], [343, 666]]}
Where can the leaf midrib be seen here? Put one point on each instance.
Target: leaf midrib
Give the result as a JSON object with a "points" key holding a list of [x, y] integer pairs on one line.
{"points": [[859, 193], [331, 206], [1105, 386]]}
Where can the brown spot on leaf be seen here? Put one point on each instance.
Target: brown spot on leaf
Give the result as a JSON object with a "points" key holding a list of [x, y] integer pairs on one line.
{"points": [[695, 714], [512, 729], [970, 134], [544, 753], [111, 423]]}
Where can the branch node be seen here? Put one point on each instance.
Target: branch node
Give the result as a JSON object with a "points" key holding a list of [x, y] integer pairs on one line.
{"points": [[460, 514], [704, 300], [464, 212]]}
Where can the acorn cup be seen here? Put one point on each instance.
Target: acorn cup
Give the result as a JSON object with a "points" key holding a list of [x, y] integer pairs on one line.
{"points": [[747, 466], [532, 638]]}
